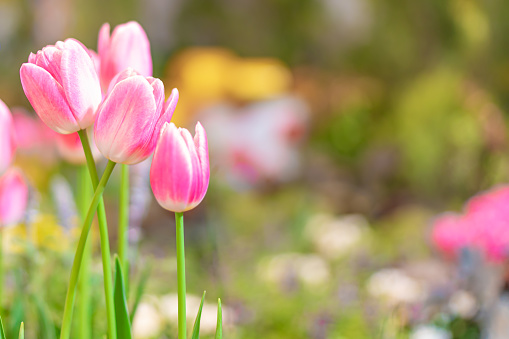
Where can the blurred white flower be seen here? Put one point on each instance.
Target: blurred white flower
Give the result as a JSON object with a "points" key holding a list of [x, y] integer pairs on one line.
{"points": [[429, 332], [147, 322], [335, 237], [463, 304], [310, 269], [262, 140], [394, 286]]}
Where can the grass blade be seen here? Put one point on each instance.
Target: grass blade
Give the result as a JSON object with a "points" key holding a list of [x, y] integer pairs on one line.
{"points": [[120, 299], [2, 332], [219, 327], [196, 328], [22, 331]]}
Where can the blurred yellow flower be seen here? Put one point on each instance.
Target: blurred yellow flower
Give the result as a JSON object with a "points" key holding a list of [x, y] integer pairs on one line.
{"points": [[44, 232], [258, 79], [205, 76], [14, 239]]}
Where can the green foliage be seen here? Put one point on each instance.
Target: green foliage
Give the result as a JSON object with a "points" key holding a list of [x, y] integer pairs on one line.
{"points": [[196, 327], [219, 327], [120, 298], [2, 332]]}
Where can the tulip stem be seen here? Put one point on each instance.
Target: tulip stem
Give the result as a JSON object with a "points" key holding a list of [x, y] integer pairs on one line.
{"points": [[84, 192], [78, 258], [103, 235], [181, 275], [123, 221]]}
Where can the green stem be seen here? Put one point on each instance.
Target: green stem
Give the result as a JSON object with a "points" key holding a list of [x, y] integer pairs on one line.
{"points": [[181, 275], [123, 221], [76, 265], [84, 307], [103, 235]]}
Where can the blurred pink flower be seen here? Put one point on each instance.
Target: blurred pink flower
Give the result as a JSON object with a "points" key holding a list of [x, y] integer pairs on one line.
{"points": [[484, 226], [13, 197], [450, 234], [180, 170], [7, 143], [70, 148], [131, 116], [30, 132], [62, 85], [128, 46]]}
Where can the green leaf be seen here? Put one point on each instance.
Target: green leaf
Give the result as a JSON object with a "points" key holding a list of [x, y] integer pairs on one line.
{"points": [[2, 332], [121, 311], [145, 274], [196, 328], [22, 331], [219, 327]]}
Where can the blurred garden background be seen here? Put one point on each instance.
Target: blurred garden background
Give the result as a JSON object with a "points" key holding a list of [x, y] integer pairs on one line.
{"points": [[338, 131]]}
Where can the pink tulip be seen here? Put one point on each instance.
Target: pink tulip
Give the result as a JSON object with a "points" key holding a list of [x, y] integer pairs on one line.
{"points": [[128, 46], [7, 144], [70, 148], [13, 197], [180, 170], [62, 85], [131, 116]]}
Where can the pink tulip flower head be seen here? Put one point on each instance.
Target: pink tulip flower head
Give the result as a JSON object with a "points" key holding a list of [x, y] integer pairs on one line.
{"points": [[7, 144], [180, 170], [128, 46], [62, 85], [13, 197], [131, 116]]}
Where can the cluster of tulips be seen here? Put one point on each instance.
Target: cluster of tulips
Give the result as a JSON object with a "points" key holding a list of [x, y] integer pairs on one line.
{"points": [[74, 90]]}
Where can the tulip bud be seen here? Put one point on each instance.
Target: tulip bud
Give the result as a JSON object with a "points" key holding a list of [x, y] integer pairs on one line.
{"points": [[13, 197], [128, 46], [7, 144], [131, 116], [180, 172], [62, 85]]}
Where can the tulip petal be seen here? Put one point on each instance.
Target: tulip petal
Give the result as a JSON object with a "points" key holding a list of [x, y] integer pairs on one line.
{"points": [[121, 48], [80, 82], [202, 149], [32, 58], [104, 39], [171, 105], [126, 121], [126, 73], [48, 99], [50, 58], [158, 87], [196, 182]]}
